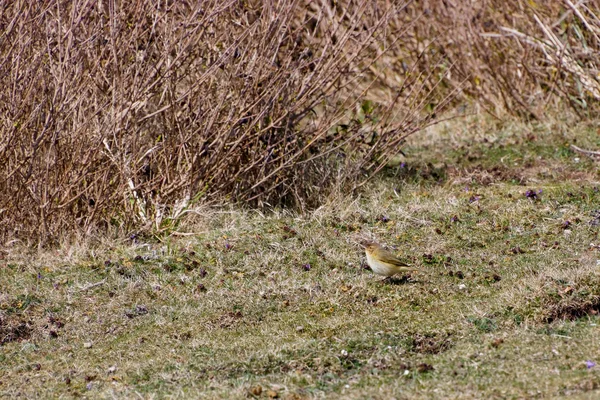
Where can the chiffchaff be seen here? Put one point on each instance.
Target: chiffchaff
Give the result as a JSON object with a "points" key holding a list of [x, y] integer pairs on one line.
{"points": [[383, 262]]}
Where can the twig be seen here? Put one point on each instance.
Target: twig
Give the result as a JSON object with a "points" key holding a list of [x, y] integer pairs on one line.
{"points": [[562, 336], [91, 286], [176, 233], [586, 152]]}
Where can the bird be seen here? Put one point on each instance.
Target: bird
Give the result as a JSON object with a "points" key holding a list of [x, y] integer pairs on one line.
{"points": [[383, 262]]}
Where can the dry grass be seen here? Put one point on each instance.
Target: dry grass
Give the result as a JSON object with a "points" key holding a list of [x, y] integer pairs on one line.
{"points": [[257, 305]]}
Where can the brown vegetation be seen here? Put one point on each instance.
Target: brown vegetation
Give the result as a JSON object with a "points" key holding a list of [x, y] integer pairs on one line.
{"points": [[123, 115], [512, 56]]}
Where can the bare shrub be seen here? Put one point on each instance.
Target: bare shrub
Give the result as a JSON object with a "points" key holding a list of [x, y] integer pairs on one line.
{"points": [[515, 57], [117, 114]]}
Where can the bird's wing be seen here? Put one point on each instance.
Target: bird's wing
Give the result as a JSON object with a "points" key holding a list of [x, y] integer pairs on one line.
{"points": [[389, 258]]}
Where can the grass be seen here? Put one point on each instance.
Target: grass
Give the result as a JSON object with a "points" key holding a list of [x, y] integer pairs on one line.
{"points": [[280, 305]]}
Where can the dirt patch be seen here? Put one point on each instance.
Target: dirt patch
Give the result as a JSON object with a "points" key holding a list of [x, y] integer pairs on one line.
{"points": [[521, 174], [486, 176], [569, 300], [228, 320], [14, 328], [573, 310], [587, 385], [431, 344]]}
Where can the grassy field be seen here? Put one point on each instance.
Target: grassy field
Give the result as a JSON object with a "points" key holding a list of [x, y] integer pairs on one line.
{"points": [[502, 219]]}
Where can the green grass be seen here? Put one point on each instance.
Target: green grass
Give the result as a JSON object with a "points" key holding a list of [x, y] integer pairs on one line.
{"points": [[255, 305]]}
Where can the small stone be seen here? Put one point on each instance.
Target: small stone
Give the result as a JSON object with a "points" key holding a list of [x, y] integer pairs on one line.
{"points": [[517, 250], [256, 390], [111, 370], [272, 394], [87, 345], [141, 309], [299, 329], [424, 367], [384, 218], [462, 286]]}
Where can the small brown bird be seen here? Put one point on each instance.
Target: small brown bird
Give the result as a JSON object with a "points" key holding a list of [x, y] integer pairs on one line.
{"points": [[383, 262]]}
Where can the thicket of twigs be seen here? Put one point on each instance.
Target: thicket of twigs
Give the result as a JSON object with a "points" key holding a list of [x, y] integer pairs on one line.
{"points": [[127, 114], [520, 57]]}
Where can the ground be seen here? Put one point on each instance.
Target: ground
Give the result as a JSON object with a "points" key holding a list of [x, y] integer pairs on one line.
{"points": [[501, 218]]}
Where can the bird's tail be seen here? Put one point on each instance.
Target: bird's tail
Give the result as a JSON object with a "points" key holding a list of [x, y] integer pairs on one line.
{"points": [[410, 268]]}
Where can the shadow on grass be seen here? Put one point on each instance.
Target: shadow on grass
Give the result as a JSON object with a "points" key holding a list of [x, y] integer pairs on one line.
{"points": [[404, 280]]}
